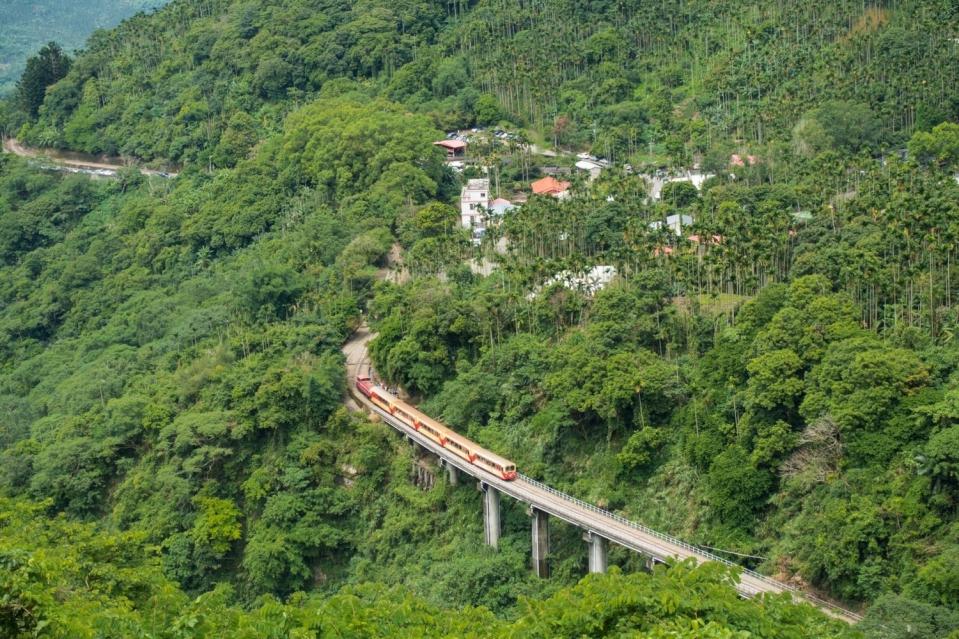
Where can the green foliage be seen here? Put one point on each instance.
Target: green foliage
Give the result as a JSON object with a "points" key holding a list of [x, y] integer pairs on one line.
{"points": [[96, 583], [736, 488], [837, 125], [775, 381], [271, 291], [895, 616], [641, 448], [181, 338], [665, 604], [941, 457], [679, 194], [109, 585], [938, 581], [488, 110], [217, 524], [939, 146], [343, 146], [171, 85], [46, 68], [861, 382]]}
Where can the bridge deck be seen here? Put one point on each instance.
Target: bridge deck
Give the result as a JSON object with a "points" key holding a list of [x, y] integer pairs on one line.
{"points": [[613, 527]]}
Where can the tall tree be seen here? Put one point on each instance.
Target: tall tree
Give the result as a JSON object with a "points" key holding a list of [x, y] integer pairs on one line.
{"points": [[44, 69]]}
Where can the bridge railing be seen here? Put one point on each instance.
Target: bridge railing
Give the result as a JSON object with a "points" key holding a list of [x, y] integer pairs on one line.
{"points": [[705, 554]]}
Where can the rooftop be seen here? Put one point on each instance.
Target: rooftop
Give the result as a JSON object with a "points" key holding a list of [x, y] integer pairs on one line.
{"points": [[454, 145], [588, 282], [549, 186], [477, 184]]}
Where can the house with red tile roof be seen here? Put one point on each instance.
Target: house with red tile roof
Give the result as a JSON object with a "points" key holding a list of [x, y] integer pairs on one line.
{"points": [[550, 186], [454, 148]]}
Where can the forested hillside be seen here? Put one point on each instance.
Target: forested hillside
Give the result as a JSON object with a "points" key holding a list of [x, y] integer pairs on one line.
{"points": [[27, 25], [110, 585], [202, 80], [777, 381]]}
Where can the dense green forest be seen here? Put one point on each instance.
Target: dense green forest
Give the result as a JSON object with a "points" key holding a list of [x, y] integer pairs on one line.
{"points": [[778, 382], [111, 585], [673, 79], [26, 25]]}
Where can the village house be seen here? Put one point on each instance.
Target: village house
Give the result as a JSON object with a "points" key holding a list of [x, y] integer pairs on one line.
{"points": [[551, 186], [592, 167], [656, 184], [474, 203], [499, 207], [588, 282], [455, 149], [674, 223]]}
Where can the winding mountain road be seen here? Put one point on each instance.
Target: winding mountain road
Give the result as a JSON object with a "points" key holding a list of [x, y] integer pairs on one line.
{"points": [[589, 518], [77, 162]]}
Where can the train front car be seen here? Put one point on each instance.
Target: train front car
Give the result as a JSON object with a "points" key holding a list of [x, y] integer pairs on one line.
{"points": [[493, 463], [365, 386], [377, 396]]}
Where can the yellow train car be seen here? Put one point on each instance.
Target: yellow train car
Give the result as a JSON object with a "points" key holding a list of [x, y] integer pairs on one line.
{"points": [[435, 431]]}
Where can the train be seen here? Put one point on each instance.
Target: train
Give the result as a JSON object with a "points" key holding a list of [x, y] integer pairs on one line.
{"points": [[433, 430]]}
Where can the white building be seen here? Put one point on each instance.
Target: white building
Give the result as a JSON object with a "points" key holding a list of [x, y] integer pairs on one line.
{"points": [[589, 282], [474, 201], [592, 166], [675, 223], [656, 183]]}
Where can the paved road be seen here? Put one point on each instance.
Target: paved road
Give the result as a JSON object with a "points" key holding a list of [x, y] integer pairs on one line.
{"points": [[574, 511], [77, 162]]}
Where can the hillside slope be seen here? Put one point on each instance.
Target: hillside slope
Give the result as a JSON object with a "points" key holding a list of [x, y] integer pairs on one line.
{"points": [[678, 78], [776, 380], [30, 24]]}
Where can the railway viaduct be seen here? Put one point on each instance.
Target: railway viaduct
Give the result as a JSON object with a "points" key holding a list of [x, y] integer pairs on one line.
{"points": [[600, 527]]}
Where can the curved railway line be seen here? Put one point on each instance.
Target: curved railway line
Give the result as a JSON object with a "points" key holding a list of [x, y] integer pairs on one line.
{"points": [[593, 520]]}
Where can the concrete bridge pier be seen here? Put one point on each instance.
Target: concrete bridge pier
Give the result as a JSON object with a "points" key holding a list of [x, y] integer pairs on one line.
{"points": [[423, 477], [652, 562], [540, 542], [598, 552], [491, 518], [453, 474]]}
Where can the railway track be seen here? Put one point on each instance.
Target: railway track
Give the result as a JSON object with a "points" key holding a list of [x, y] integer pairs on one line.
{"points": [[590, 518]]}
